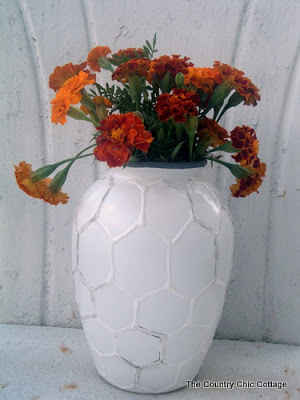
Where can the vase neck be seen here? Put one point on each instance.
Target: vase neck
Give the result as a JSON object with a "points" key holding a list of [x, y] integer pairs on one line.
{"points": [[149, 175]]}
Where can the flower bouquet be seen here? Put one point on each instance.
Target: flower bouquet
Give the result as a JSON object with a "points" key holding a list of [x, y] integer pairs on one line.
{"points": [[159, 110]]}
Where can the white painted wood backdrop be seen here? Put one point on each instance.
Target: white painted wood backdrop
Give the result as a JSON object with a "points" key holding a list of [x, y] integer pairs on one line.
{"points": [[259, 37]]}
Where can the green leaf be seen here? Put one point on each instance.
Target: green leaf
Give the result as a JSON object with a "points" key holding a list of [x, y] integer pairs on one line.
{"points": [[227, 147], [176, 150], [160, 135], [167, 83], [149, 45], [146, 50], [133, 159], [236, 170], [154, 41], [234, 100]]}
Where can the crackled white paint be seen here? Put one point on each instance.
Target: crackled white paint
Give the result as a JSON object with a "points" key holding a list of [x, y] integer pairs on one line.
{"points": [[258, 37], [158, 272]]}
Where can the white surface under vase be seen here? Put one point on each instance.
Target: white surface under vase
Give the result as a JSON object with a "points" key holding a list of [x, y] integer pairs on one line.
{"points": [[152, 257]]}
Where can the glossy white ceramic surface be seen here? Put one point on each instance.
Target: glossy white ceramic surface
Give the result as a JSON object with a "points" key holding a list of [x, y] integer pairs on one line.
{"points": [[151, 262]]}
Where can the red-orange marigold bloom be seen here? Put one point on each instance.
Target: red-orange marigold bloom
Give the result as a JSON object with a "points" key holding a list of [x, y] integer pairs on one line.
{"points": [[121, 133], [138, 67], [174, 64], [240, 83], [244, 138], [61, 74], [177, 105], [94, 54], [202, 78], [39, 189], [129, 53], [113, 153], [211, 127], [247, 90], [251, 183]]}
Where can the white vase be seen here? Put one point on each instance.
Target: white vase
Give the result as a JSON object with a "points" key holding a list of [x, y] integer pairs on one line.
{"points": [[152, 257]]}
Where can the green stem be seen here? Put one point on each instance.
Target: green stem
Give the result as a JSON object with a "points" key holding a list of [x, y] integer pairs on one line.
{"points": [[60, 178], [77, 156]]}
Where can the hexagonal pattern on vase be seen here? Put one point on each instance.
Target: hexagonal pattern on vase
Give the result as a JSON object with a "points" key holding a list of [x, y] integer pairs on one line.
{"points": [[193, 273], [152, 256], [206, 205], [138, 347], [113, 307], [121, 209], [146, 266], [162, 203], [183, 344], [157, 312], [90, 202], [93, 262], [98, 336], [214, 296], [158, 378]]}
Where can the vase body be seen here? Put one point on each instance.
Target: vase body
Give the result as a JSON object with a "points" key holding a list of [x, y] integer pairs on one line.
{"points": [[152, 257]]}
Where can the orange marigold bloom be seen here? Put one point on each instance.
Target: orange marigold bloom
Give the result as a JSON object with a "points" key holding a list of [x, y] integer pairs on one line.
{"points": [[251, 183], [61, 74], [244, 138], [85, 109], [60, 106], [210, 127], [177, 105], [202, 78], [129, 53], [68, 94], [121, 133], [39, 189], [73, 86], [174, 64], [98, 100], [94, 54], [52, 197], [138, 67], [239, 82]]}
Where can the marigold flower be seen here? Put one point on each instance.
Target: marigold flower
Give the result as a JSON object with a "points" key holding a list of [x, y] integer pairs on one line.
{"points": [[129, 53], [174, 64], [60, 106], [132, 67], [251, 183], [121, 133], [94, 54], [52, 197], [247, 90], [85, 110], [113, 153], [98, 100], [202, 78], [68, 94], [239, 82], [73, 86], [244, 138], [211, 128], [61, 74], [177, 105], [39, 189]]}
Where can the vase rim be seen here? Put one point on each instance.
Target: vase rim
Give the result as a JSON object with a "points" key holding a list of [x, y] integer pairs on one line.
{"points": [[167, 165]]}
